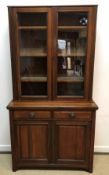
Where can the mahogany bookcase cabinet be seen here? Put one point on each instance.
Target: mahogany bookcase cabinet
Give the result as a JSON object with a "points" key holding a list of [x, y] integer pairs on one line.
{"points": [[52, 114]]}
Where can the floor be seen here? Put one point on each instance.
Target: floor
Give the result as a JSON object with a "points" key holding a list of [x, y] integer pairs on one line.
{"points": [[101, 167]]}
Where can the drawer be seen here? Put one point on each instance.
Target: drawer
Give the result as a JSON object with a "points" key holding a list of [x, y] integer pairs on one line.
{"points": [[79, 115], [31, 114]]}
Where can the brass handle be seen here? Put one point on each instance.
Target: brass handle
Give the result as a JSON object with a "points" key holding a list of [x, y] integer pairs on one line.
{"points": [[72, 115], [32, 115]]}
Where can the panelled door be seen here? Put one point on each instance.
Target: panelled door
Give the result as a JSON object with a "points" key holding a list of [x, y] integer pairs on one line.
{"points": [[32, 141], [72, 143]]}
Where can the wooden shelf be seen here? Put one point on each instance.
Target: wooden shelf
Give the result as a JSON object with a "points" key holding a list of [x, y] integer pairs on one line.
{"points": [[37, 52], [34, 96], [65, 79], [70, 96], [32, 27], [33, 79], [72, 54], [72, 27]]}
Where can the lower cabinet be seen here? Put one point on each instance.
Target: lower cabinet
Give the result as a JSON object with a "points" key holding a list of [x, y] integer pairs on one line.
{"points": [[57, 139], [72, 143], [32, 141], [72, 138]]}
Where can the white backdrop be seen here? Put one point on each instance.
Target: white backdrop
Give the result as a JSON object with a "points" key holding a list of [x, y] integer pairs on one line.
{"points": [[101, 70]]}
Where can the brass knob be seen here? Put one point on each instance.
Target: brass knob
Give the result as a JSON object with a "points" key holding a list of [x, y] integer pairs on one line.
{"points": [[32, 115], [72, 115]]}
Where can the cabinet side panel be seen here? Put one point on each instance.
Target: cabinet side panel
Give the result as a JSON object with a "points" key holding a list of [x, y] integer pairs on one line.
{"points": [[90, 52], [13, 48], [13, 147], [92, 141]]}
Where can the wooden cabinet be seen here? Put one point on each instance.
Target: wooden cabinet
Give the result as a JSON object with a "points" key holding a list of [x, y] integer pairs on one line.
{"points": [[32, 140], [68, 135], [52, 114]]}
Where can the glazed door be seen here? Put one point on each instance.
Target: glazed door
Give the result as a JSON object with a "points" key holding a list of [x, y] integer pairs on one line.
{"points": [[52, 52], [72, 143], [72, 74], [32, 142], [33, 52]]}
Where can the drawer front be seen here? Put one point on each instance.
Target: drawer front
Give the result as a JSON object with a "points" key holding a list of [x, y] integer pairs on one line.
{"points": [[31, 114], [79, 115]]}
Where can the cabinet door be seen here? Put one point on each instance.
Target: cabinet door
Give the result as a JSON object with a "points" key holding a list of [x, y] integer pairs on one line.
{"points": [[32, 53], [32, 142], [74, 52], [72, 140]]}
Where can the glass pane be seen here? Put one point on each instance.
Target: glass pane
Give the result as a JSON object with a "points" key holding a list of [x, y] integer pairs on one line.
{"points": [[70, 89], [34, 89], [33, 67], [33, 53], [72, 18], [72, 50], [33, 42], [32, 19]]}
